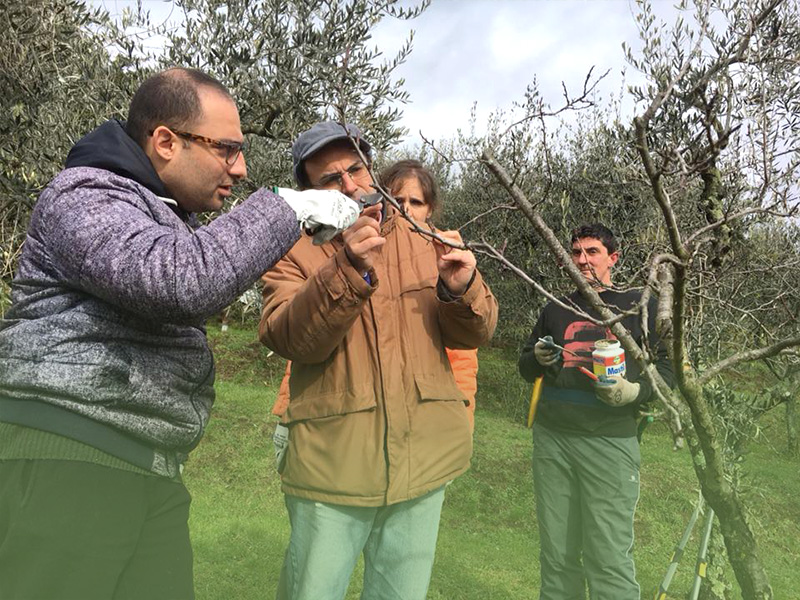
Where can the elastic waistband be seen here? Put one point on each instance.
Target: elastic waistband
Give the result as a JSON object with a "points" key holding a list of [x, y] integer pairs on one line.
{"points": [[40, 415]]}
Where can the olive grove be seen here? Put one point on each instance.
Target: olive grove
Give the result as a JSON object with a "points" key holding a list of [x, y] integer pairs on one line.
{"points": [[701, 185]]}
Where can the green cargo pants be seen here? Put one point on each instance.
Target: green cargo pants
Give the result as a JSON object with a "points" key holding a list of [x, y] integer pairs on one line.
{"points": [[72, 530], [586, 492]]}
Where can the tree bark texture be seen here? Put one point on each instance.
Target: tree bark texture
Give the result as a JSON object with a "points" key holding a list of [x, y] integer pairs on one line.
{"points": [[713, 208], [716, 585], [723, 498]]}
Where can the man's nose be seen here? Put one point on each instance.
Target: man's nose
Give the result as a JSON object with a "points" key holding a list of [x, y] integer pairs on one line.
{"points": [[238, 170], [349, 186]]}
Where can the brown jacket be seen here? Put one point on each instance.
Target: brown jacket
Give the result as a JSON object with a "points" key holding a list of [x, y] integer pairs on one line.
{"points": [[375, 417], [464, 364]]}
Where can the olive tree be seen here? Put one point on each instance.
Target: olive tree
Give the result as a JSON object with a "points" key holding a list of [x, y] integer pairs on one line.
{"points": [[57, 81], [291, 63], [704, 181]]}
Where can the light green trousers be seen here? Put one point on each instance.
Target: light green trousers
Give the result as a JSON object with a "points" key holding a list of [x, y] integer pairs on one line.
{"points": [[398, 542], [586, 492]]}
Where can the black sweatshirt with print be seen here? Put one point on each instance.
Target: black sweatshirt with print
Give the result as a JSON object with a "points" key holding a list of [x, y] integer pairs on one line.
{"points": [[568, 403]]}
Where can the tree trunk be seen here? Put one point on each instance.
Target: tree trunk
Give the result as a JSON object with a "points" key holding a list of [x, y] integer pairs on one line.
{"points": [[716, 585], [714, 211], [724, 499]]}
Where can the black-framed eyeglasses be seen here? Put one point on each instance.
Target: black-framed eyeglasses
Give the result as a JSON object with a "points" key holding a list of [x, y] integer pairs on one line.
{"points": [[358, 171], [232, 149]]}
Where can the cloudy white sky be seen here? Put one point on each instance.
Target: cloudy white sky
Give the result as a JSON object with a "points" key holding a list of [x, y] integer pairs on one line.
{"points": [[486, 52]]}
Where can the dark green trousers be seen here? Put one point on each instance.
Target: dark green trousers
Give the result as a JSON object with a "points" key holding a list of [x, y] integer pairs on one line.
{"points": [[77, 530], [586, 492]]}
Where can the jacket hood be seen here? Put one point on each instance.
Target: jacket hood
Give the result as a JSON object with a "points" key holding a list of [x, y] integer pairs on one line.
{"points": [[109, 147]]}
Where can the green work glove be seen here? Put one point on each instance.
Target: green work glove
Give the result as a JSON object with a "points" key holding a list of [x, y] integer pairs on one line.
{"points": [[546, 352], [617, 391]]}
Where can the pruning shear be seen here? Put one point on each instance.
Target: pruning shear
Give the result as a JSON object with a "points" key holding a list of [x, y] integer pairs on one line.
{"points": [[551, 344], [602, 379], [369, 200]]}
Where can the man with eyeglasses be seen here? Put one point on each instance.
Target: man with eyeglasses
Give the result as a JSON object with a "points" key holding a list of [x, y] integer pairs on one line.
{"points": [[377, 426], [106, 377]]}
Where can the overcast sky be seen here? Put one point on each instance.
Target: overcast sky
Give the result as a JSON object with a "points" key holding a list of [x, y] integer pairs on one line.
{"points": [[488, 51]]}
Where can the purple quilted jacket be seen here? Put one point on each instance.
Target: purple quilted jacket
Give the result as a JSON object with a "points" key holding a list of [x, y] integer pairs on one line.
{"points": [[108, 305]]}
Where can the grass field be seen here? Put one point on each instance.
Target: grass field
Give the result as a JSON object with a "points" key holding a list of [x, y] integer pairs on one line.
{"points": [[488, 543]]}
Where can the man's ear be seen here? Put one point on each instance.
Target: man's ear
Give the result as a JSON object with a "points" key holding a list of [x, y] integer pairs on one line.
{"points": [[613, 258], [164, 143]]}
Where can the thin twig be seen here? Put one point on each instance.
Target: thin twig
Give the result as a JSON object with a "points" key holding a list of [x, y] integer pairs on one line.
{"points": [[488, 212]]}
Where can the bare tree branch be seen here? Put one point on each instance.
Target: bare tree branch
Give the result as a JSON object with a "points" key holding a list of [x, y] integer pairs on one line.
{"points": [[748, 356], [490, 251], [578, 103], [769, 210]]}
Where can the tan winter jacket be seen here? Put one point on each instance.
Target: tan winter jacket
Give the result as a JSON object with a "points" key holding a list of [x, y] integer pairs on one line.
{"points": [[375, 417]]}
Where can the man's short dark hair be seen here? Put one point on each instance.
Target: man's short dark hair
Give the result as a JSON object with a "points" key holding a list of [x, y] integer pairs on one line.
{"points": [[168, 98], [596, 231]]}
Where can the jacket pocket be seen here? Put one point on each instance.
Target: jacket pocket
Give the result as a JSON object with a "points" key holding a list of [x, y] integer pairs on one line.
{"points": [[409, 283], [417, 272], [437, 388], [317, 406]]}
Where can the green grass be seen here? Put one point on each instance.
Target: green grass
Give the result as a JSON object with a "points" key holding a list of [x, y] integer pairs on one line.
{"points": [[488, 542]]}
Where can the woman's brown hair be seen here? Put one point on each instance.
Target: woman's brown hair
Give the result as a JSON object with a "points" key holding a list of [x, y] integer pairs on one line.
{"points": [[406, 169]]}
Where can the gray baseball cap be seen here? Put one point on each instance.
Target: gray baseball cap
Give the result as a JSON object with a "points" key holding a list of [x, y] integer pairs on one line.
{"points": [[312, 140]]}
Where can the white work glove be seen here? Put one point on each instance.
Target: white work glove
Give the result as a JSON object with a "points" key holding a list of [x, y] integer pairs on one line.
{"points": [[322, 214], [280, 439], [546, 353], [616, 391]]}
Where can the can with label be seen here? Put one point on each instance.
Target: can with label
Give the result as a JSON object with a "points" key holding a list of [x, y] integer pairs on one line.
{"points": [[608, 358]]}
